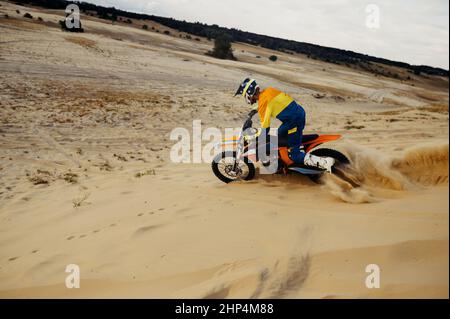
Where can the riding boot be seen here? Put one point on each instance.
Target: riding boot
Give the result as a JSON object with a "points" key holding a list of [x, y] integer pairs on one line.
{"points": [[296, 154], [320, 162]]}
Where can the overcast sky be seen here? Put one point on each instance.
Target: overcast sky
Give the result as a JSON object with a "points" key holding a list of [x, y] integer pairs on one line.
{"points": [[413, 31]]}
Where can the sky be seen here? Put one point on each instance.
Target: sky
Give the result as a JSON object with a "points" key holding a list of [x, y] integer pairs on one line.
{"points": [[412, 31]]}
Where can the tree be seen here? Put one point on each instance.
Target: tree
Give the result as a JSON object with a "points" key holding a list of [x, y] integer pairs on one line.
{"points": [[273, 58], [114, 16], [222, 47]]}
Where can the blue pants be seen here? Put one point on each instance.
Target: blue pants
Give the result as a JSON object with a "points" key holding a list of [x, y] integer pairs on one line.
{"points": [[293, 129]]}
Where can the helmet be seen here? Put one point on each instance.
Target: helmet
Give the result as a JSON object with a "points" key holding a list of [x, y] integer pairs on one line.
{"points": [[248, 89]]}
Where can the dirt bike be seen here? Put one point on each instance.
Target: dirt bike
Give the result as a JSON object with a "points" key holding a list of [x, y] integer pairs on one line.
{"points": [[238, 163]]}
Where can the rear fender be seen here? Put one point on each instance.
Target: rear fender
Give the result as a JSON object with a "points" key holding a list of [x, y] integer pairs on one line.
{"points": [[320, 140]]}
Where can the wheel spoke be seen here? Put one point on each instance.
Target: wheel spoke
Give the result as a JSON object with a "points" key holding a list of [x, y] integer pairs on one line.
{"points": [[225, 167]]}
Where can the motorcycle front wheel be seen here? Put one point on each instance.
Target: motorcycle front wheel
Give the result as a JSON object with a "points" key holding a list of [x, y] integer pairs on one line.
{"points": [[223, 164]]}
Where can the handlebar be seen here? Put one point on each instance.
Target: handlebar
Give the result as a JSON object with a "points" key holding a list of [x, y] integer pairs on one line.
{"points": [[252, 112], [248, 122]]}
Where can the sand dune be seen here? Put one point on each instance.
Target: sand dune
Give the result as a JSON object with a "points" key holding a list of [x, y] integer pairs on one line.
{"points": [[85, 175]]}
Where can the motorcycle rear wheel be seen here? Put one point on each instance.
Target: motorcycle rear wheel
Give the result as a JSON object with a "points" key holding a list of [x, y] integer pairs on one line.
{"points": [[341, 160]]}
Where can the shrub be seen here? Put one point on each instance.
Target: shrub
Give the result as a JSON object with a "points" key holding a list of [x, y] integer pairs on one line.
{"points": [[222, 47], [70, 178], [40, 177], [40, 19], [18, 11], [27, 15], [145, 27], [273, 58], [167, 32], [62, 24], [145, 173]]}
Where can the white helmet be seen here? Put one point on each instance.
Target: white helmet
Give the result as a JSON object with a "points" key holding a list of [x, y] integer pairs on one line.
{"points": [[248, 88]]}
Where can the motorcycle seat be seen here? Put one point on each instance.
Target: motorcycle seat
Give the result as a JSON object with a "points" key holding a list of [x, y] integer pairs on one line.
{"points": [[282, 140]]}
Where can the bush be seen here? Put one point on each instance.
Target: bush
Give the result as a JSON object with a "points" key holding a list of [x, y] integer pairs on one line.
{"points": [[6, 16], [62, 24], [222, 47], [27, 15], [145, 27], [167, 32], [40, 19], [273, 58], [18, 11]]}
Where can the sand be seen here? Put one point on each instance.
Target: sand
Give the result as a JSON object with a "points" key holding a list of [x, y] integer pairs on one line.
{"points": [[85, 175]]}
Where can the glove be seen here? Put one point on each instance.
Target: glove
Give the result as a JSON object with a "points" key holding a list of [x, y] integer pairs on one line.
{"points": [[249, 138], [258, 133]]}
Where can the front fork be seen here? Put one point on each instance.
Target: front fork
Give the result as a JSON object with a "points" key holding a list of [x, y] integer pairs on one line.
{"points": [[239, 150]]}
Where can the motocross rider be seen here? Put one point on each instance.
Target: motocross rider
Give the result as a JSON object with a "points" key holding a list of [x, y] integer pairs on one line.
{"points": [[273, 103]]}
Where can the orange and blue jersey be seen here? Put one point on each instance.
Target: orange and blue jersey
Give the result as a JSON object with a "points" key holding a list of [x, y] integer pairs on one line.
{"points": [[273, 103], [276, 104]]}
